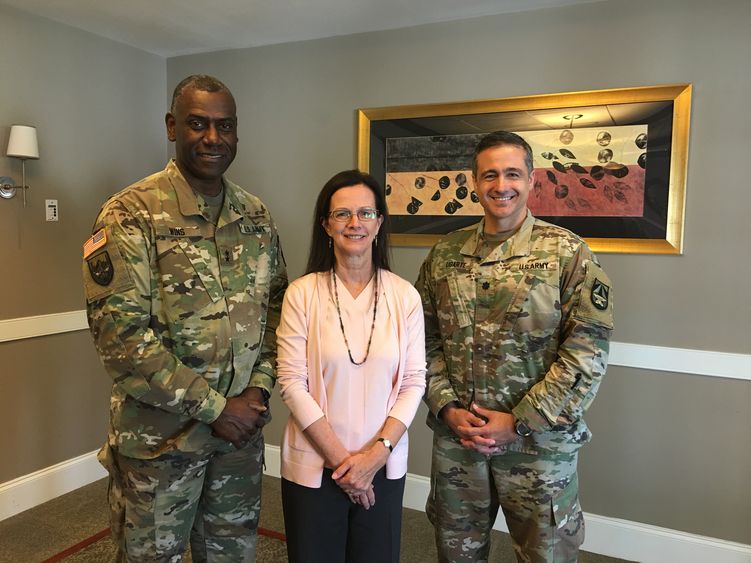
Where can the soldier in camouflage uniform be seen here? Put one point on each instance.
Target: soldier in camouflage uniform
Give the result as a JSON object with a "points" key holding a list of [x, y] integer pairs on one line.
{"points": [[184, 281], [518, 316]]}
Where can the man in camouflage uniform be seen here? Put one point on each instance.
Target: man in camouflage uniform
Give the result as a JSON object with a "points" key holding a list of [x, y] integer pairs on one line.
{"points": [[518, 315], [184, 281]]}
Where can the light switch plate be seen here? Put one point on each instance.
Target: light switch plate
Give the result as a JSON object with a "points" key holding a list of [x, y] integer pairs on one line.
{"points": [[51, 208]]}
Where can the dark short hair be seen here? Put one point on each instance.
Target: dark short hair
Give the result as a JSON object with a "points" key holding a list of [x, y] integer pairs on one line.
{"points": [[202, 82], [321, 256], [500, 138]]}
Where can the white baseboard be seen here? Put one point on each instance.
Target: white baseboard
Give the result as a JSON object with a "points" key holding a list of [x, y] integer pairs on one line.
{"points": [[607, 536], [36, 488]]}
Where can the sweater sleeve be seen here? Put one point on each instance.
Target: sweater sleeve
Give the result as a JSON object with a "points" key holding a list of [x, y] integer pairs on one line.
{"points": [[413, 381], [293, 371]]}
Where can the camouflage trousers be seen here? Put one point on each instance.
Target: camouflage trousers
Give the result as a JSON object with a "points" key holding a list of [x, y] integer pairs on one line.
{"points": [[213, 499], [539, 496]]}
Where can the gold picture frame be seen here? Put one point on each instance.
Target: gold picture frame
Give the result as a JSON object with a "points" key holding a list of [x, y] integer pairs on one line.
{"points": [[410, 146]]}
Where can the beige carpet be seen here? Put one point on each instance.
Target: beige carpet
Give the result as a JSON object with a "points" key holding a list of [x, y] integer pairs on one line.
{"points": [[49, 529], [270, 550]]}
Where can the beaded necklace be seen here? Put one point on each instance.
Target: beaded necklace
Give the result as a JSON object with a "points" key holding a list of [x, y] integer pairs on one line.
{"points": [[341, 323]]}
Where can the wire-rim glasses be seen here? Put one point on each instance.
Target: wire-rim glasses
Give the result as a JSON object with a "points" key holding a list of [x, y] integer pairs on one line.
{"points": [[363, 214]]}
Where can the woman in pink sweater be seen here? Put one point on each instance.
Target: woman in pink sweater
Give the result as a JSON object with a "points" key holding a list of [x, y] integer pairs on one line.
{"points": [[351, 366]]}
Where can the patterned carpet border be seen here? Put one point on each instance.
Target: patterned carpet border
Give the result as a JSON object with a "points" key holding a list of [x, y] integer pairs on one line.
{"points": [[273, 534], [78, 547]]}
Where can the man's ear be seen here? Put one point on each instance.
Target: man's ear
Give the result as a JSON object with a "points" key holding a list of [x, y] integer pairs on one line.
{"points": [[169, 120]]}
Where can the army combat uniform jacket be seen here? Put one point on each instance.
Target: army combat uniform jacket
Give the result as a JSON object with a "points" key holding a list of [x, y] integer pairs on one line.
{"points": [[525, 330], [183, 312]]}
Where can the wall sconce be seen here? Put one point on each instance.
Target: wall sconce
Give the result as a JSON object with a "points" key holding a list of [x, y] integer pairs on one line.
{"points": [[22, 144]]}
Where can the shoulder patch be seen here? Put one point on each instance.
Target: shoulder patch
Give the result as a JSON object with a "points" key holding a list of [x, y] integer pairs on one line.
{"points": [[596, 297], [600, 295], [100, 268], [97, 241], [105, 273]]}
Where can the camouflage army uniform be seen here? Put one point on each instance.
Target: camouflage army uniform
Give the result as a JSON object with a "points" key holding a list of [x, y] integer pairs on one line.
{"points": [[524, 330], [183, 315]]}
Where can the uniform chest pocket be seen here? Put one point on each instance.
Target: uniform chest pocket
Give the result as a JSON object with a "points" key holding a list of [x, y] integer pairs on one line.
{"points": [[184, 278], [538, 311], [452, 298], [254, 261]]}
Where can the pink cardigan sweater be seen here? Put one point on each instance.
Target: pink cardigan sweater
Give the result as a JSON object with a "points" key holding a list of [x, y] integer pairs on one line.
{"points": [[301, 380]]}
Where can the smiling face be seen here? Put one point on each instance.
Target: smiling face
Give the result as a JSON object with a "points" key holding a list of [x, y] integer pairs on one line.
{"points": [[502, 183], [204, 129], [352, 238]]}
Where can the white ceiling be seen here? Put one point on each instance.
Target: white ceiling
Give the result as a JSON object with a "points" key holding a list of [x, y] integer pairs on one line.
{"points": [[180, 27]]}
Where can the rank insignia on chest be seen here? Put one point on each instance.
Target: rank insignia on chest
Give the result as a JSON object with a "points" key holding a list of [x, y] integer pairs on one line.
{"points": [[101, 269], [600, 295]]}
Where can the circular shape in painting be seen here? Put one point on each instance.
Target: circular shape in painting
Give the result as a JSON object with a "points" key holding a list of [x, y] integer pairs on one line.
{"points": [[603, 138], [605, 155], [566, 136], [561, 191]]}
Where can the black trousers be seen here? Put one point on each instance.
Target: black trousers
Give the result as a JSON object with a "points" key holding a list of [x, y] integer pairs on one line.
{"points": [[324, 526]]}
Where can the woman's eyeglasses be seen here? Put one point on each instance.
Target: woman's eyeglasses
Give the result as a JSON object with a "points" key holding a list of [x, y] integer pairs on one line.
{"points": [[363, 214]]}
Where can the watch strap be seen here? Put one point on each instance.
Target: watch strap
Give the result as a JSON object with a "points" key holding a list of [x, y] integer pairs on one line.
{"points": [[386, 442]]}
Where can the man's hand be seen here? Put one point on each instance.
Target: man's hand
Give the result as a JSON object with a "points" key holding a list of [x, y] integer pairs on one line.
{"points": [[256, 399], [497, 431], [459, 419], [241, 418]]}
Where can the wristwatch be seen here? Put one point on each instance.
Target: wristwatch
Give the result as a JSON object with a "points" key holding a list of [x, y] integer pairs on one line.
{"points": [[521, 428], [387, 443]]}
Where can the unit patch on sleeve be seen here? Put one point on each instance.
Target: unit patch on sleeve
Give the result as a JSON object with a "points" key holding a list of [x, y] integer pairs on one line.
{"points": [[600, 295], [105, 273], [595, 302], [101, 269]]}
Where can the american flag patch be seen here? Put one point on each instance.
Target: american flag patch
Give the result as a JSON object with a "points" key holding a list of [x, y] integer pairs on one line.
{"points": [[98, 240]]}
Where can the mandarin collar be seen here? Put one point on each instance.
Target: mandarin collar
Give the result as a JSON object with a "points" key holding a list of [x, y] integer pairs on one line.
{"points": [[516, 245], [191, 203]]}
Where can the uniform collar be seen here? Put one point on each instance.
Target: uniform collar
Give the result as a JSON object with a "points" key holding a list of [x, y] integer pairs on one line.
{"points": [[517, 245], [191, 203]]}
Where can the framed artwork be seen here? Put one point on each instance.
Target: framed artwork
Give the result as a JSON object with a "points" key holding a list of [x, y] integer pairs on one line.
{"points": [[610, 165]]}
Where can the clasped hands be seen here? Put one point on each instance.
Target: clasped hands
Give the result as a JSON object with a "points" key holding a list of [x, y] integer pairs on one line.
{"points": [[484, 430], [241, 418], [355, 474]]}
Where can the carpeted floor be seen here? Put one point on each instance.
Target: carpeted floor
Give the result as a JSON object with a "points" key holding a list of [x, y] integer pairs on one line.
{"points": [[48, 530]]}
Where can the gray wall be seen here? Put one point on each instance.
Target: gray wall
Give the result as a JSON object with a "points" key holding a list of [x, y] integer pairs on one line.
{"points": [[669, 449], [98, 107]]}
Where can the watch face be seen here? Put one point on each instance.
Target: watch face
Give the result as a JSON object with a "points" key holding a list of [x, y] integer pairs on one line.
{"points": [[522, 429], [386, 442]]}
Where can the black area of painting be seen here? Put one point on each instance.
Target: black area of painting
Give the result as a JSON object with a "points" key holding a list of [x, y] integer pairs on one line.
{"points": [[454, 152]]}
